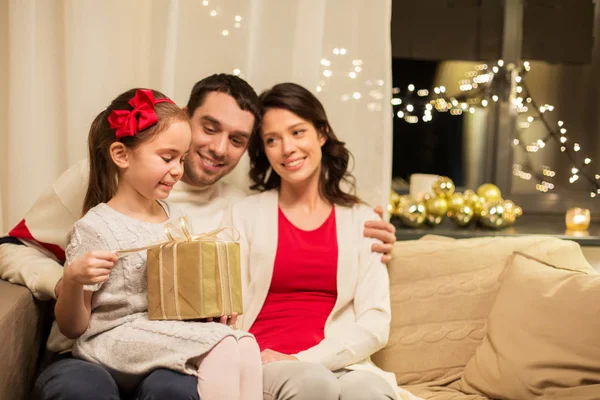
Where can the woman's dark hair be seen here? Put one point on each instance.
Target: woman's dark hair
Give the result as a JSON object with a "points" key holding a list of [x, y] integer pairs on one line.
{"points": [[102, 184], [336, 157]]}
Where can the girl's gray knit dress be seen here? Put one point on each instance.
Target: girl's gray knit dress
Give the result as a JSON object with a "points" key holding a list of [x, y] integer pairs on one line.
{"points": [[120, 336]]}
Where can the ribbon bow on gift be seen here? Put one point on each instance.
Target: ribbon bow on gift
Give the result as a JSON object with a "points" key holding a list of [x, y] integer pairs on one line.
{"points": [[143, 116], [183, 234]]}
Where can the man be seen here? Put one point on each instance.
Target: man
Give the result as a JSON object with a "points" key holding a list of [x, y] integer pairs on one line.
{"points": [[224, 112]]}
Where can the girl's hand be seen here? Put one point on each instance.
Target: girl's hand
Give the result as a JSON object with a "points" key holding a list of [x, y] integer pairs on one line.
{"points": [[92, 268], [269, 356], [227, 320]]}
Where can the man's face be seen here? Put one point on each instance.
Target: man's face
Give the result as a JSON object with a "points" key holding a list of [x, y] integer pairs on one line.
{"points": [[220, 134]]}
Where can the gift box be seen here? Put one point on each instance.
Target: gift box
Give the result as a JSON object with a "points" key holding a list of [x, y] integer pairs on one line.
{"points": [[194, 277]]}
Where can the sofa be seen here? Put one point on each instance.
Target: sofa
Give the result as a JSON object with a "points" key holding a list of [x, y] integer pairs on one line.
{"points": [[24, 327], [502, 317]]}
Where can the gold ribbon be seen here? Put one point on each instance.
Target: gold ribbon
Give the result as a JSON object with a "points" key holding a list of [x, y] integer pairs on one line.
{"points": [[181, 235], [184, 235]]}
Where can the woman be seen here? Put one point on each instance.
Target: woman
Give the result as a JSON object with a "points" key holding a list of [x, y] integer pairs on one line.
{"points": [[316, 297]]}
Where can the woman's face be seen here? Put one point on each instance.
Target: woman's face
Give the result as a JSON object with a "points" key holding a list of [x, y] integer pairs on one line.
{"points": [[292, 145]]}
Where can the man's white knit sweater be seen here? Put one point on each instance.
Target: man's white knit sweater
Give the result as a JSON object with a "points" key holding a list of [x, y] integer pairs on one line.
{"points": [[49, 222]]}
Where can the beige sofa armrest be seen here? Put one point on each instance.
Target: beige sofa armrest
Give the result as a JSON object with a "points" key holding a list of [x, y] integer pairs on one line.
{"points": [[22, 332]]}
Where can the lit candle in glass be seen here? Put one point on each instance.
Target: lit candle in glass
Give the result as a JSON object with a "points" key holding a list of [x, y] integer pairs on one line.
{"points": [[577, 219]]}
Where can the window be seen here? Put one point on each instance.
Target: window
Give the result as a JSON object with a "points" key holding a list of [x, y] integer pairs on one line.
{"points": [[477, 135]]}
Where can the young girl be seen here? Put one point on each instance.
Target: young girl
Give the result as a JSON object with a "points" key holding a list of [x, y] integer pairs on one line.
{"points": [[136, 149]]}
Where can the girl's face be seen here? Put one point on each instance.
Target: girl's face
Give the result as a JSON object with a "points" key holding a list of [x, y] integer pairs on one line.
{"points": [[292, 146], [156, 165]]}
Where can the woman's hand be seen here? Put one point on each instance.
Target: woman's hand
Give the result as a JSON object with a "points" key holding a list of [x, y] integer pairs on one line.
{"points": [[384, 231], [90, 269], [269, 356]]}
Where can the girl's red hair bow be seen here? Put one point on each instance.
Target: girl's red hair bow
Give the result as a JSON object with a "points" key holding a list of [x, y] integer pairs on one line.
{"points": [[130, 122]]}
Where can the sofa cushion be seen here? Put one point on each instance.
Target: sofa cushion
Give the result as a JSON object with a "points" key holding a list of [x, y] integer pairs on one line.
{"points": [[21, 333], [441, 393], [542, 338], [442, 292]]}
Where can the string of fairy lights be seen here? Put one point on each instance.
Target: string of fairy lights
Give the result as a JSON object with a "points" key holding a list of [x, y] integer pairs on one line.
{"points": [[480, 88], [353, 69], [216, 12]]}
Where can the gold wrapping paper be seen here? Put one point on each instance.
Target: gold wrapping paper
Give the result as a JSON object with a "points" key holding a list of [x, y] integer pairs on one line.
{"points": [[193, 277], [192, 280]]}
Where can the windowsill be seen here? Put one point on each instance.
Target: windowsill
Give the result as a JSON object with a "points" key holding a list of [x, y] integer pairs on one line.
{"points": [[549, 225]]}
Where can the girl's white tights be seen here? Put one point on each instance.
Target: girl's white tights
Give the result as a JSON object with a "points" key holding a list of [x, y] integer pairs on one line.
{"points": [[231, 370]]}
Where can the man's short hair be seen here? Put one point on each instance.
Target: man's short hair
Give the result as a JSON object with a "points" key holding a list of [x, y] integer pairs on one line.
{"points": [[236, 87]]}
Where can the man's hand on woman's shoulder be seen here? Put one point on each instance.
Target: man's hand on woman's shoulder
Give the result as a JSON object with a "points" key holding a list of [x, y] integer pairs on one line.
{"points": [[384, 231]]}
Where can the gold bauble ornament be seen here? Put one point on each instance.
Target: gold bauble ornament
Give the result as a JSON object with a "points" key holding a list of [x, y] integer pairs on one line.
{"points": [[443, 187], [478, 206], [500, 213], [434, 220], [513, 211], [426, 198], [436, 206], [489, 192], [518, 211], [509, 205], [463, 216], [412, 213], [405, 198], [394, 203], [509, 217], [456, 201], [495, 215], [470, 197]]}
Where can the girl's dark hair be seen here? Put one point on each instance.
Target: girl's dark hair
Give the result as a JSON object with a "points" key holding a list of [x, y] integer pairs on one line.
{"points": [[102, 184], [334, 163]]}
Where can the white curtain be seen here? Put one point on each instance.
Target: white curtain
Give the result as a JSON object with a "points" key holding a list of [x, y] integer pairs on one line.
{"points": [[67, 59]]}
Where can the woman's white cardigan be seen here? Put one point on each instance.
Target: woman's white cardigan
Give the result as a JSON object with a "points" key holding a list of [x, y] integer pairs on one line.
{"points": [[359, 324]]}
